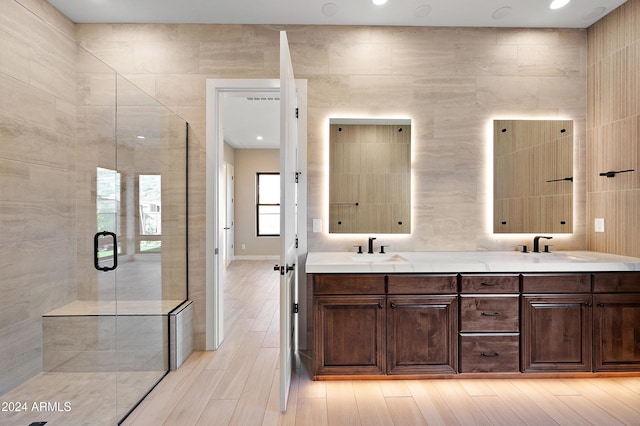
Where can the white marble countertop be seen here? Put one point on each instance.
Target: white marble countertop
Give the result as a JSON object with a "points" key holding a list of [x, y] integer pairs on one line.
{"points": [[470, 262]]}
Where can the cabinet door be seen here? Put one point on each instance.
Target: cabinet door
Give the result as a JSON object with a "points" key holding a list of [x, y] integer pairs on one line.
{"points": [[556, 333], [422, 334], [617, 332], [349, 335]]}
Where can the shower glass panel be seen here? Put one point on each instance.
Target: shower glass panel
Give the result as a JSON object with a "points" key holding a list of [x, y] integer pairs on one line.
{"points": [[110, 264], [150, 277]]}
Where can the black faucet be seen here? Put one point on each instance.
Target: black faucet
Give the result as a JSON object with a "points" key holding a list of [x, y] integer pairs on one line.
{"points": [[371, 245], [536, 243]]}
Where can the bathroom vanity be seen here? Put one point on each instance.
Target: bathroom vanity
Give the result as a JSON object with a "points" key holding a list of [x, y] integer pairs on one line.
{"points": [[460, 314]]}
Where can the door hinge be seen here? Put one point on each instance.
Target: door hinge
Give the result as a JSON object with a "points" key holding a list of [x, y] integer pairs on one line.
{"points": [[298, 174], [297, 113], [296, 242], [295, 308]]}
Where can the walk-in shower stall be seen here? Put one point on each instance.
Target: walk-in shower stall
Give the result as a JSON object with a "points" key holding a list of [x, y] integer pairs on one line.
{"points": [[93, 252]]}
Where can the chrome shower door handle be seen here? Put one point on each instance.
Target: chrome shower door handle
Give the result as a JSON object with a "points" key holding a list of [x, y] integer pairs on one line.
{"points": [[96, 263]]}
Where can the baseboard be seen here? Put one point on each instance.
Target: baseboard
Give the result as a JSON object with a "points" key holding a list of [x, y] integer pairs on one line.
{"points": [[257, 257]]}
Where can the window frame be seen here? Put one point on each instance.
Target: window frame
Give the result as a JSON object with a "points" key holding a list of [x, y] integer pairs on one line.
{"points": [[258, 205]]}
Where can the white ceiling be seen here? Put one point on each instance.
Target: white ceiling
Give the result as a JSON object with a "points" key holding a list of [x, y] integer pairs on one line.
{"points": [[244, 120], [475, 13]]}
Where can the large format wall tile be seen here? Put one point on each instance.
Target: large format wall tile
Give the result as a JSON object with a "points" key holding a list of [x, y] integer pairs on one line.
{"points": [[37, 179], [613, 127]]}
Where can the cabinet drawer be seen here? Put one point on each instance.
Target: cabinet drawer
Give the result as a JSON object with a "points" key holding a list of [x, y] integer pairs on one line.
{"points": [[423, 284], [556, 283], [616, 282], [348, 284], [489, 313], [490, 284], [489, 353]]}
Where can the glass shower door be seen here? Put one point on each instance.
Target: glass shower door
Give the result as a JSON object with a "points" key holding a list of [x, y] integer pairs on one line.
{"points": [[151, 270], [98, 212], [90, 350]]}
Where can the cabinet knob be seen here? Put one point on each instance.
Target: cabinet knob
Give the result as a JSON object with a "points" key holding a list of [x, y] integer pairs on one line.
{"points": [[588, 304], [393, 306], [380, 306], [601, 305]]}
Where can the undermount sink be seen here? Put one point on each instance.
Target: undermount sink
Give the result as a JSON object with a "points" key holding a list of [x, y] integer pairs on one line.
{"points": [[561, 257], [377, 257]]}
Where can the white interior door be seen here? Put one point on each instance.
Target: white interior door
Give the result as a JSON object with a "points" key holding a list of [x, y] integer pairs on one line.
{"points": [[288, 216]]}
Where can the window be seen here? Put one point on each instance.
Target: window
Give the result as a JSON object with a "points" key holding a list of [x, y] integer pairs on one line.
{"points": [[268, 204], [108, 206], [150, 212]]}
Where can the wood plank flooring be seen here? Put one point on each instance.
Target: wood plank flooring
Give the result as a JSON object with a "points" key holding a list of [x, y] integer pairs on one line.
{"points": [[238, 384]]}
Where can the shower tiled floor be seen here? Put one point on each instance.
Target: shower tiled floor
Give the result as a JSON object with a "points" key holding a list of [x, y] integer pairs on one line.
{"points": [[75, 398]]}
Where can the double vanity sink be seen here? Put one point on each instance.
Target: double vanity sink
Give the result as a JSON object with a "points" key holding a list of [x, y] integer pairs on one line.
{"points": [[480, 261], [424, 314]]}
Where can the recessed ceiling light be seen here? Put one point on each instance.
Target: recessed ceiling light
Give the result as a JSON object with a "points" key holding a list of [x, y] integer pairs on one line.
{"points": [[502, 12], [422, 11], [594, 13], [140, 137], [557, 4], [329, 9], [259, 138], [378, 2]]}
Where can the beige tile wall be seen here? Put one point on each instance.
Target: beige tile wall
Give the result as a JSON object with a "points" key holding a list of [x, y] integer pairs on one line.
{"points": [[613, 129], [37, 179], [450, 81]]}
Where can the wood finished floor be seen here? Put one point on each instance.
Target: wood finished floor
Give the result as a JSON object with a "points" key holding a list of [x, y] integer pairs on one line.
{"points": [[238, 384]]}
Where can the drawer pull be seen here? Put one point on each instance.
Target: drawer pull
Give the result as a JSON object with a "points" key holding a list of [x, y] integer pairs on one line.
{"points": [[490, 284], [491, 314], [493, 355]]}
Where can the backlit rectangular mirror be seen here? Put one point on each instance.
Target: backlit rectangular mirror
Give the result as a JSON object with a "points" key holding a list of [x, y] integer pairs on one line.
{"points": [[533, 176], [370, 176]]}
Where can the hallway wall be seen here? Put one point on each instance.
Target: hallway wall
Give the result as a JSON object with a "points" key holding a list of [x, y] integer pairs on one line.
{"points": [[248, 163]]}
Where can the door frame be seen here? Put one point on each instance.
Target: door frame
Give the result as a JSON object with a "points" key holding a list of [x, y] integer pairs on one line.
{"points": [[216, 89], [229, 184]]}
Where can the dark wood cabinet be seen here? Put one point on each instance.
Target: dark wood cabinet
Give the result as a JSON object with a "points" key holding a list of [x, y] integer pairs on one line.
{"points": [[617, 332], [489, 352], [421, 334], [556, 333], [490, 313], [489, 323], [429, 324], [349, 335], [377, 324]]}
